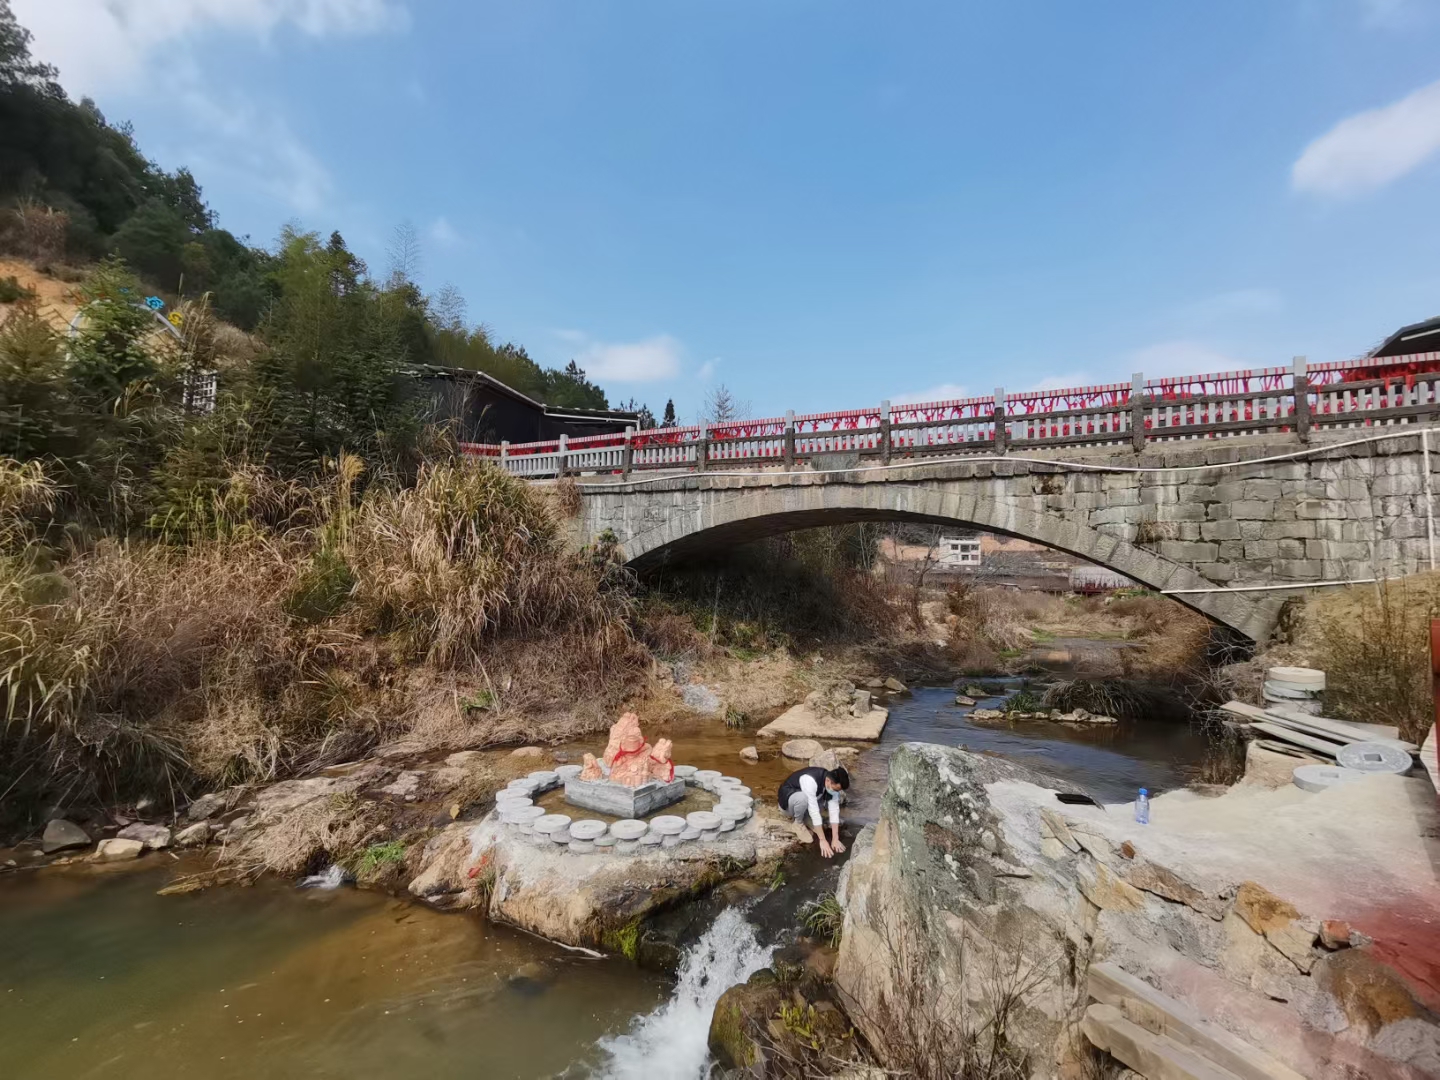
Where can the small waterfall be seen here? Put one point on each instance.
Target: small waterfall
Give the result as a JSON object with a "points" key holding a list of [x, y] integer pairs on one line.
{"points": [[671, 1042], [331, 878]]}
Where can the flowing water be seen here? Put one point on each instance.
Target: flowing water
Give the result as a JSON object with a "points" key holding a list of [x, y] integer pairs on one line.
{"points": [[100, 978]]}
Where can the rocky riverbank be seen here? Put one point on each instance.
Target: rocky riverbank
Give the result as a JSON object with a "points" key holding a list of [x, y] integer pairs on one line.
{"points": [[976, 905]]}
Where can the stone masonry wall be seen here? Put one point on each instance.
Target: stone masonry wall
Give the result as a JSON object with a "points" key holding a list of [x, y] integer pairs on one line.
{"points": [[1213, 517]]}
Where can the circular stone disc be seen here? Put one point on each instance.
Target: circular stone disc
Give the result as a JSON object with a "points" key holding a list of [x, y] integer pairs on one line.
{"points": [[605, 841], [524, 785], [742, 801], [588, 829], [667, 825], [525, 814], [703, 820], [1374, 757], [543, 776], [628, 829], [731, 813], [1280, 692], [729, 781], [650, 839], [1320, 777], [582, 847], [685, 772], [733, 790], [510, 802], [690, 833], [706, 777], [552, 823], [567, 772], [1308, 678]]}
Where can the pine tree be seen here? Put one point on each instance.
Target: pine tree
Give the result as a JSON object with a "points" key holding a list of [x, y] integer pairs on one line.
{"points": [[668, 420]]}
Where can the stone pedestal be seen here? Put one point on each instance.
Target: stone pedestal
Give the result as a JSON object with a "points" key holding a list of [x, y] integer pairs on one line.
{"points": [[620, 800]]}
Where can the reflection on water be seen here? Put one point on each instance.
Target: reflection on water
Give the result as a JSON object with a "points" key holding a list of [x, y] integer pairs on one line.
{"points": [[101, 978], [1111, 762]]}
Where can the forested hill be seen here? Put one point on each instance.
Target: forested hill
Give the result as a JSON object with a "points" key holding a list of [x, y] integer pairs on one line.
{"points": [[76, 189]]}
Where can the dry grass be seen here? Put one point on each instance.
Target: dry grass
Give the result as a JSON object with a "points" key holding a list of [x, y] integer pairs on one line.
{"points": [[298, 627], [329, 830], [1373, 642]]}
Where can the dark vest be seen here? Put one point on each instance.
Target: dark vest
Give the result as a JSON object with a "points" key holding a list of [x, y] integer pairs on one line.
{"points": [[792, 784]]}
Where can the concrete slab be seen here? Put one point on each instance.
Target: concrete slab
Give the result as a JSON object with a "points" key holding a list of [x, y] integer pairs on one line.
{"points": [[803, 722], [619, 800]]}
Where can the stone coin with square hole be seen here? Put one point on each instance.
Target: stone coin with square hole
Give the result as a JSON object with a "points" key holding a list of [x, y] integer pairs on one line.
{"points": [[1323, 777], [685, 772], [567, 772], [628, 829], [706, 778], [667, 825], [544, 777], [587, 829], [1374, 757], [552, 823], [728, 782], [703, 820]]}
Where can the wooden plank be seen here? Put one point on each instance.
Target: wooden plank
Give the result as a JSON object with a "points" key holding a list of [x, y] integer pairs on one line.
{"points": [[1153, 1056], [1239, 708], [1299, 738], [1111, 985], [1343, 728]]}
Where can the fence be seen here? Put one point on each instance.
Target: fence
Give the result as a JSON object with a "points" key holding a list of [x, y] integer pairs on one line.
{"points": [[1298, 399]]}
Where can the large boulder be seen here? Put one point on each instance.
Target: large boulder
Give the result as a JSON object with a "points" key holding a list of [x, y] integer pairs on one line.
{"points": [[118, 850], [977, 890], [154, 837], [801, 749], [62, 835]]}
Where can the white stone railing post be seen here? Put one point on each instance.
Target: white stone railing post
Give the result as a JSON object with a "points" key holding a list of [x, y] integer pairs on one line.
{"points": [[885, 432], [1002, 426], [504, 455], [1137, 411], [562, 461], [1301, 382], [789, 440], [702, 447]]}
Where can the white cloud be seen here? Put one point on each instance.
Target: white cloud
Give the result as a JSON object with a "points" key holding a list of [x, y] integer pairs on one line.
{"points": [[1373, 148], [706, 371], [1237, 303], [443, 233], [253, 150], [941, 392], [1394, 14], [650, 360], [1166, 358], [101, 45]]}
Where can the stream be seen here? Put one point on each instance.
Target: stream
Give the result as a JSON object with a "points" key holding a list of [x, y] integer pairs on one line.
{"points": [[101, 978]]}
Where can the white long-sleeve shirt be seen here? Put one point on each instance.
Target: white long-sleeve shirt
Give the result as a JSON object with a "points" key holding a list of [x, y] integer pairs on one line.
{"points": [[812, 798]]}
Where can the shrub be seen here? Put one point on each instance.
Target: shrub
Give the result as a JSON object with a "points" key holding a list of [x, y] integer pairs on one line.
{"points": [[824, 920], [11, 290]]}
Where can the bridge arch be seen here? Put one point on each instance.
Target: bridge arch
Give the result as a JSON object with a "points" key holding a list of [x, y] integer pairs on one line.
{"points": [[695, 514]]}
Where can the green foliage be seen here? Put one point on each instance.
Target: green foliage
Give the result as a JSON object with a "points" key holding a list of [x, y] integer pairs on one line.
{"points": [[624, 940], [1026, 699], [824, 920], [37, 415], [377, 857], [323, 589], [11, 290]]}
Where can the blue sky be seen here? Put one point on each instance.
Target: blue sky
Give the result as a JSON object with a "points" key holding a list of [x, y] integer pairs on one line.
{"points": [[823, 203]]}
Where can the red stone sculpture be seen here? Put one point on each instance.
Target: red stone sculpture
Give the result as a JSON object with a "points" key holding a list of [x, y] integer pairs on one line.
{"points": [[630, 759]]}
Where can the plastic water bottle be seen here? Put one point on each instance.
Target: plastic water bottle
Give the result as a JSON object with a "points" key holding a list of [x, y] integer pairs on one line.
{"points": [[1142, 807]]}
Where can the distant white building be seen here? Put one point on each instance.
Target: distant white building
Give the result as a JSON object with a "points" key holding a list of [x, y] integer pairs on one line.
{"points": [[960, 551]]}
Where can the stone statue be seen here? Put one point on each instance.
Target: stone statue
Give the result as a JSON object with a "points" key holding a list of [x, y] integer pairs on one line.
{"points": [[629, 759]]}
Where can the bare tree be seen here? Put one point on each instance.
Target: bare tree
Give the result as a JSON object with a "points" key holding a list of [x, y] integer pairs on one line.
{"points": [[722, 407], [447, 308], [404, 252]]}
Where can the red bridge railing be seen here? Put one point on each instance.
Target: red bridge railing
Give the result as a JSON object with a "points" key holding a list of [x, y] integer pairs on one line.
{"points": [[1298, 399]]}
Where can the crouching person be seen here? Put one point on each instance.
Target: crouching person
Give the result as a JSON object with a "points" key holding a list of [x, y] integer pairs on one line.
{"points": [[800, 796]]}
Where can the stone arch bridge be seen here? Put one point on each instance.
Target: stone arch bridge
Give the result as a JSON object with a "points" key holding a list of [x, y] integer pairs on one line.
{"points": [[1230, 528]]}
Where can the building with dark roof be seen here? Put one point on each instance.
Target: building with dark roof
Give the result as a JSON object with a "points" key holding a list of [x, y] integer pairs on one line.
{"points": [[1420, 337], [485, 410]]}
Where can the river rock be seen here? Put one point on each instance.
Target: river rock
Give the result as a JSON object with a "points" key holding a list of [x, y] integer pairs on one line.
{"points": [[801, 749], [62, 835], [154, 837], [118, 849], [701, 698], [750, 754], [206, 806], [895, 686], [826, 759], [193, 835], [860, 703], [962, 699], [528, 752]]}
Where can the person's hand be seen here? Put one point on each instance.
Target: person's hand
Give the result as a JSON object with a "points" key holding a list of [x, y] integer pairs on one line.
{"points": [[825, 848], [836, 846]]}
